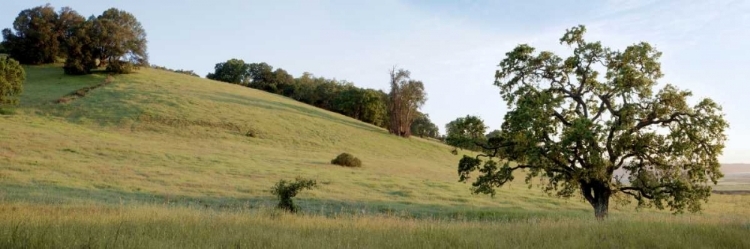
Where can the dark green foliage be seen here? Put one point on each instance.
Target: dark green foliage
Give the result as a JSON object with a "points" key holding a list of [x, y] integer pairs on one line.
{"points": [[233, 71], [575, 127], [81, 58], [494, 133], [286, 190], [423, 127], [7, 111], [363, 104], [119, 41], [325, 93], [347, 160], [466, 132], [277, 81], [36, 36], [68, 21], [114, 39], [12, 77], [343, 97]]}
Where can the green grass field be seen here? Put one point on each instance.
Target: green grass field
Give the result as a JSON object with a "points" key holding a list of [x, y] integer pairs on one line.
{"points": [[161, 159]]}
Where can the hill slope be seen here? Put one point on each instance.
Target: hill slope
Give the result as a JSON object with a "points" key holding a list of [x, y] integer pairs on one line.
{"points": [[157, 135]]}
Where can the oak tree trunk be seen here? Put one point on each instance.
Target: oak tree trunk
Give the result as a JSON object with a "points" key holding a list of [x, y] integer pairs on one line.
{"points": [[601, 205], [597, 194]]}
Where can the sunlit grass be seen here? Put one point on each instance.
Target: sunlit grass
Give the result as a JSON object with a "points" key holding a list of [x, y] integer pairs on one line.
{"points": [[156, 134], [169, 227], [163, 160]]}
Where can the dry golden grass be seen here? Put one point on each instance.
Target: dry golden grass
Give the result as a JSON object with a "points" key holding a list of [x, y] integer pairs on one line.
{"points": [[160, 159], [66, 226], [157, 135]]}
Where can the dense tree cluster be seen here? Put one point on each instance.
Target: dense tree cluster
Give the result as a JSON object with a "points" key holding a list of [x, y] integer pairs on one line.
{"points": [[367, 105], [36, 40], [423, 127], [115, 40]]}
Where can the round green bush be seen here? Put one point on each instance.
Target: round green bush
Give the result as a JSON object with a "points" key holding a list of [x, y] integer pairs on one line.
{"points": [[347, 160], [12, 76]]}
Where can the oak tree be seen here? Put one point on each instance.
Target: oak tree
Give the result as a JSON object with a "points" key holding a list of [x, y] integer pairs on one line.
{"points": [[575, 121], [119, 41]]}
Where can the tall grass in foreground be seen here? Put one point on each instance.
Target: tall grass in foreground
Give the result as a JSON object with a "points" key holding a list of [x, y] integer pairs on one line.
{"points": [[71, 226]]}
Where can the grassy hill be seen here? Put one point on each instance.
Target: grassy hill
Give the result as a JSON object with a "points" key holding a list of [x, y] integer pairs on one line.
{"points": [[157, 135], [159, 144]]}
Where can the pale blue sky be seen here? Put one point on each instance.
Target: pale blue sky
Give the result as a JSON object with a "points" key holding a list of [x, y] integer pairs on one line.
{"points": [[453, 46]]}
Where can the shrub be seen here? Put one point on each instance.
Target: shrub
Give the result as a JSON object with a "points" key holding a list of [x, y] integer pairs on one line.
{"points": [[285, 190], [7, 111], [12, 76], [121, 67], [347, 160]]}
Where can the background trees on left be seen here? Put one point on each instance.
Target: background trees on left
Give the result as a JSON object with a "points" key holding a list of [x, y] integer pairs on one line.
{"points": [[35, 37], [114, 39]]}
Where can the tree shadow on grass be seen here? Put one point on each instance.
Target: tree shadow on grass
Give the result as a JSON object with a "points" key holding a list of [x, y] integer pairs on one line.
{"points": [[52, 195]]}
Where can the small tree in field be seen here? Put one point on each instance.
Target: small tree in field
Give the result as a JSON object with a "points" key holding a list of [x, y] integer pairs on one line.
{"points": [[575, 126], [12, 76], [286, 190]]}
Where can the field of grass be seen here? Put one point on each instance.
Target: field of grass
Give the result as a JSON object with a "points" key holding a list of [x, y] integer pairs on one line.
{"points": [[164, 227], [158, 136], [161, 159]]}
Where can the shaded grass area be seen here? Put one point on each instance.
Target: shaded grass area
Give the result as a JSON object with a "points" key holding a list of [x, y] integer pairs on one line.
{"points": [[51, 195], [33, 226]]}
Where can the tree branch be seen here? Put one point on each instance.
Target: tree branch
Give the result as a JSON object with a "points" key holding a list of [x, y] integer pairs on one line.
{"points": [[561, 118], [650, 120]]}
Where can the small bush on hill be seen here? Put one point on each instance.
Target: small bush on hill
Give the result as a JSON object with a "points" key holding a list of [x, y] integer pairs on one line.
{"points": [[7, 111], [347, 160], [12, 77], [285, 190]]}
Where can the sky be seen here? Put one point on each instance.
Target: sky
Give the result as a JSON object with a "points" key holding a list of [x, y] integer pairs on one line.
{"points": [[454, 47]]}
